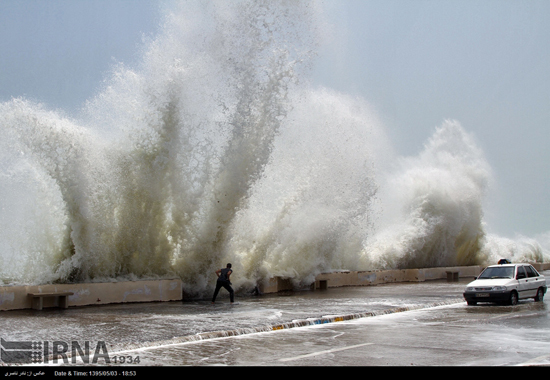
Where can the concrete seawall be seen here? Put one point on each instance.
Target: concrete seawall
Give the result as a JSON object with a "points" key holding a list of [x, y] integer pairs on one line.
{"points": [[17, 297], [369, 278]]}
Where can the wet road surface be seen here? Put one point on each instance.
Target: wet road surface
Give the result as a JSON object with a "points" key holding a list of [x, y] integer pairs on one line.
{"points": [[453, 335]]}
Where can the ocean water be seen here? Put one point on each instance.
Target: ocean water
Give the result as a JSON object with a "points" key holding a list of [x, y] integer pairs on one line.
{"points": [[218, 148]]}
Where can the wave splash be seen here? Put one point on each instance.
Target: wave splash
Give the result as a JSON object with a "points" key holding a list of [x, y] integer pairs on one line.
{"points": [[217, 149], [438, 201]]}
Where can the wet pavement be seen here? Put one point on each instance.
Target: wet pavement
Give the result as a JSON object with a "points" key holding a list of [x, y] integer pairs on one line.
{"points": [[440, 336], [126, 327]]}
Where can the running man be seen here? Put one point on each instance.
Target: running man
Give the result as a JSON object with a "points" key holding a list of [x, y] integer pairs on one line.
{"points": [[223, 280]]}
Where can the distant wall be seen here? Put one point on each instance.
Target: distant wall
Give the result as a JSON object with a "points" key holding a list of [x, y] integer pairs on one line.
{"points": [[376, 277], [361, 278], [364, 278], [541, 266]]}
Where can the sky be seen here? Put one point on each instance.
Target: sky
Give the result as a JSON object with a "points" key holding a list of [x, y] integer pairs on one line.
{"points": [[483, 63]]}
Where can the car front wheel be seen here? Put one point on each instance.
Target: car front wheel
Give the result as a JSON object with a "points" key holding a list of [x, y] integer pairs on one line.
{"points": [[513, 298]]}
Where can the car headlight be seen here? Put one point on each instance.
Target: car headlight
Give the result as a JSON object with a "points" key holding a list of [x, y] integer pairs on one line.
{"points": [[470, 289], [498, 288]]}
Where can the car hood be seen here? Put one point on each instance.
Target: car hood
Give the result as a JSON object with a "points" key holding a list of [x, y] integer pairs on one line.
{"points": [[492, 282]]}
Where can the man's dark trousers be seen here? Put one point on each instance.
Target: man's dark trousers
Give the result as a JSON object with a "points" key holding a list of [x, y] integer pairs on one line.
{"points": [[225, 284]]}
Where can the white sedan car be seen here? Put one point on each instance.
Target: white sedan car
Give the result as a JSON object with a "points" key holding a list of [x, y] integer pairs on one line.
{"points": [[506, 283]]}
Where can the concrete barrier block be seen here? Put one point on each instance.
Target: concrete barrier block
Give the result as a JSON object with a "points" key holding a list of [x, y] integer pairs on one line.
{"points": [[17, 297], [284, 284], [366, 278], [268, 285], [541, 266]]}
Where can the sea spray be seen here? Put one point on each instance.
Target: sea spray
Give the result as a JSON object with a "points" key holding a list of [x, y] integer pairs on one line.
{"points": [[312, 209], [437, 203], [53, 155], [170, 149], [518, 249]]}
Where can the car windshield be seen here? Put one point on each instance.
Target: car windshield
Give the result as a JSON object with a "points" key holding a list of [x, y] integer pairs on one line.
{"points": [[497, 272]]}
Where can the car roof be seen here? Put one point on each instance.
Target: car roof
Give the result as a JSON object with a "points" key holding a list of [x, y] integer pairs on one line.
{"points": [[508, 265]]}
